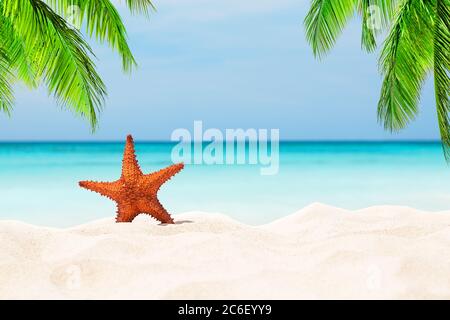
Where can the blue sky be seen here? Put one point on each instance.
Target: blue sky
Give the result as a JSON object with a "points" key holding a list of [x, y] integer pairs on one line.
{"points": [[231, 64]]}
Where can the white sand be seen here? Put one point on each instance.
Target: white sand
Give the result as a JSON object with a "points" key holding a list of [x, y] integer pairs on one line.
{"points": [[318, 252]]}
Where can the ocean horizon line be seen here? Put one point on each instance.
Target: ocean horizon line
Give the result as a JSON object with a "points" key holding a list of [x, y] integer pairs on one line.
{"points": [[412, 141]]}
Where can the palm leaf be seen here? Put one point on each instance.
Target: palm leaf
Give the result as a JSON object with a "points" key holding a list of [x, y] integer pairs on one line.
{"points": [[20, 60], [406, 58], [102, 21], [441, 70], [6, 92], [368, 34], [60, 55], [140, 6], [325, 21], [376, 17]]}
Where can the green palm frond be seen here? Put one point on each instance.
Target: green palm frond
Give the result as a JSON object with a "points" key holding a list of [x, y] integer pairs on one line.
{"points": [[406, 58], [325, 21], [368, 33], [101, 20], [104, 21], [40, 43], [376, 17], [6, 92], [441, 70], [60, 55], [20, 60], [140, 6], [418, 43]]}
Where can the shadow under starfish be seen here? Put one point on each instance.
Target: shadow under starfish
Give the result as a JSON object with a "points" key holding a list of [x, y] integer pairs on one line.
{"points": [[135, 192]]}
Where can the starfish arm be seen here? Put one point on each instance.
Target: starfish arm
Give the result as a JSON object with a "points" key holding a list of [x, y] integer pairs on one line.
{"points": [[156, 179], [130, 166], [107, 189], [157, 211], [126, 213]]}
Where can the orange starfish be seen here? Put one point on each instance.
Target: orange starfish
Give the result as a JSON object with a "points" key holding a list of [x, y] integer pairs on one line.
{"points": [[135, 192]]}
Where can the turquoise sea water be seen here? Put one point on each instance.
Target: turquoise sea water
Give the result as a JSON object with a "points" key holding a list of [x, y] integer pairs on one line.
{"points": [[39, 181]]}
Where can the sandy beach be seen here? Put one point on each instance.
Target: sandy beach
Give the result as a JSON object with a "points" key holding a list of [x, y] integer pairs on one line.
{"points": [[322, 252]]}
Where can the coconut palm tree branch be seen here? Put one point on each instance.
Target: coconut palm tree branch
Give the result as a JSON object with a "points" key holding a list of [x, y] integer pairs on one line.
{"points": [[376, 16], [368, 33], [441, 71], [6, 91], [104, 20], [140, 6], [327, 18], [325, 21], [101, 20], [406, 58], [387, 9], [60, 54], [19, 57]]}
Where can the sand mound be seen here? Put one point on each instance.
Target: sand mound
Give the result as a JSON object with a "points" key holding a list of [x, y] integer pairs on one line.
{"points": [[318, 252]]}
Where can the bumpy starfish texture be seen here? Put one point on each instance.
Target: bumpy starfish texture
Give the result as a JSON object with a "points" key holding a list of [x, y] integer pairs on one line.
{"points": [[135, 192]]}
